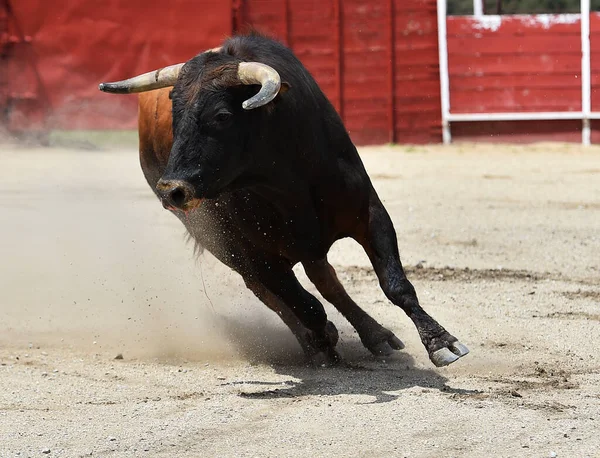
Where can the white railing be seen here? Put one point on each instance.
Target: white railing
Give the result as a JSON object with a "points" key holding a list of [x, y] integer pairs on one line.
{"points": [[585, 115]]}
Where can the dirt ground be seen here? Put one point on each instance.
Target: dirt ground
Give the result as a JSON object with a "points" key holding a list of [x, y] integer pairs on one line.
{"points": [[502, 243]]}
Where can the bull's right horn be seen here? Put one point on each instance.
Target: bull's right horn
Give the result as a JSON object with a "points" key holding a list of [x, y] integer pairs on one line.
{"points": [[267, 77], [163, 77]]}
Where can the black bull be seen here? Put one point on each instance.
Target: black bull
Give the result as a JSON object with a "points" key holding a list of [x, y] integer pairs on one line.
{"points": [[257, 164]]}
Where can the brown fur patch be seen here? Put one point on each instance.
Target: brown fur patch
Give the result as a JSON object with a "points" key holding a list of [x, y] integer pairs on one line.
{"points": [[224, 75], [219, 77]]}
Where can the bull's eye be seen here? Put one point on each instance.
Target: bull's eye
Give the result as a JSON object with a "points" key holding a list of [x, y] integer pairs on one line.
{"points": [[223, 116]]}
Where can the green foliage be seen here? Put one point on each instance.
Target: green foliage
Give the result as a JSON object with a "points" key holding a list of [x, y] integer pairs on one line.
{"points": [[458, 7]]}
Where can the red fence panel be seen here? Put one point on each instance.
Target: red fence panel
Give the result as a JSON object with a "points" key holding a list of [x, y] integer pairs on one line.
{"points": [[375, 59], [514, 63], [595, 60], [73, 45], [365, 70], [418, 116]]}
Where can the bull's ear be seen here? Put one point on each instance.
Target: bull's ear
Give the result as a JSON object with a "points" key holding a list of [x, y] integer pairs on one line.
{"points": [[285, 86], [282, 90]]}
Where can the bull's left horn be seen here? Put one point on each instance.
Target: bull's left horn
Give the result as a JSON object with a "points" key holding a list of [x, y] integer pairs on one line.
{"points": [[163, 77], [267, 77], [156, 79]]}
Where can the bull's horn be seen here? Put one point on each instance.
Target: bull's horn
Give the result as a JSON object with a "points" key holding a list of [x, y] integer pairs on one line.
{"points": [[163, 77], [267, 77]]}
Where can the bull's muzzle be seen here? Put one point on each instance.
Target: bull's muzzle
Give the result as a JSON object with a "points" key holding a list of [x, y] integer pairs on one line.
{"points": [[177, 195]]}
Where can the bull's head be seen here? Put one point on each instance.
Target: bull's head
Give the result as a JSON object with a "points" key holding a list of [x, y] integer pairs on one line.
{"points": [[212, 95]]}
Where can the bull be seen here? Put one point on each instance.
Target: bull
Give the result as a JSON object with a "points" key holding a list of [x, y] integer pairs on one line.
{"points": [[251, 156]]}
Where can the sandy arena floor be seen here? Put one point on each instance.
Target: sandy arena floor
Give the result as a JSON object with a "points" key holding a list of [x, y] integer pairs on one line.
{"points": [[502, 243]]}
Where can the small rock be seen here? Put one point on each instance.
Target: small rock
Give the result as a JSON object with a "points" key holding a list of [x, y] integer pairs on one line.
{"points": [[46, 451], [112, 439], [119, 356], [44, 374], [516, 394], [553, 455]]}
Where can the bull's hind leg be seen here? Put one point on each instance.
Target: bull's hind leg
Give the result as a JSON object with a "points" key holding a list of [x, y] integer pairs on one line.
{"points": [[305, 336], [379, 241], [379, 340]]}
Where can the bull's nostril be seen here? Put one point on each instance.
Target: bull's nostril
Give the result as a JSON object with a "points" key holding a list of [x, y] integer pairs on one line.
{"points": [[174, 193], [178, 197]]}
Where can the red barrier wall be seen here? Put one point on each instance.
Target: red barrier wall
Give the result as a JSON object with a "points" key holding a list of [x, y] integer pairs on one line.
{"points": [[375, 59], [56, 52], [595, 59], [520, 64], [514, 63]]}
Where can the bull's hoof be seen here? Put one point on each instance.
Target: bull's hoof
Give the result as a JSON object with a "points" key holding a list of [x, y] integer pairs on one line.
{"points": [[448, 354], [320, 349], [382, 343], [332, 334], [327, 358]]}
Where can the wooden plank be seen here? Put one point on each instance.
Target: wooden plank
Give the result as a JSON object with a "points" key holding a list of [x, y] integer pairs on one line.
{"points": [[422, 87], [416, 56], [500, 44], [414, 107], [472, 65], [550, 81], [417, 98], [416, 122], [518, 131], [508, 100], [365, 69], [523, 25], [595, 59]]}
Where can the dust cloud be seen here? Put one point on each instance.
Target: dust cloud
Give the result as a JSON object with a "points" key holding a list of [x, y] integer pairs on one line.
{"points": [[90, 260]]}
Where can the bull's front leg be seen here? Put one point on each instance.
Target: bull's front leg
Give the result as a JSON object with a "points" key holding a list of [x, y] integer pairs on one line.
{"points": [[379, 241], [275, 284], [306, 338]]}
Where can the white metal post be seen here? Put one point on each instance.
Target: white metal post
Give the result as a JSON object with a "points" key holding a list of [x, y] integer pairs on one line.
{"points": [[586, 104], [444, 78], [478, 8]]}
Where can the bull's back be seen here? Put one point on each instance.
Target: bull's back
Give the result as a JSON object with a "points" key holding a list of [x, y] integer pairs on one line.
{"points": [[155, 133]]}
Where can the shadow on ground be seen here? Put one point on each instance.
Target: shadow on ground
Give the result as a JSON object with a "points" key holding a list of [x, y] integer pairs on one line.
{"points": [[358, 373]]}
